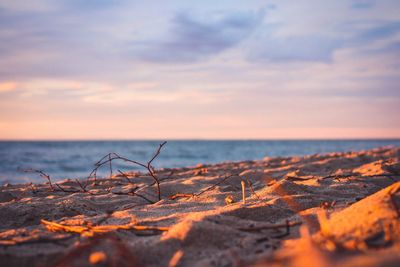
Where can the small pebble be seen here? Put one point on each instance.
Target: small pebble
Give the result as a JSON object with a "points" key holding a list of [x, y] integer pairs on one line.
{"points": [[97, 257]]}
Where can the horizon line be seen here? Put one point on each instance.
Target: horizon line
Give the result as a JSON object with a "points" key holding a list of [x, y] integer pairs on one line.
{"points": [[204, 139]]}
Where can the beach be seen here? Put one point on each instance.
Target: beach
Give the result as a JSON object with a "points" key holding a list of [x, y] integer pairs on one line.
{"points": [[334, 209]]}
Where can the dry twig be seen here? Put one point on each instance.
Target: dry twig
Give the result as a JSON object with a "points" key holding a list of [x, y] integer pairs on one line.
{"points": [[338, 176], [89, 230], [125, 176], [107, 159], [41, 174], [271, 226], [47, 177], [252, 189]]}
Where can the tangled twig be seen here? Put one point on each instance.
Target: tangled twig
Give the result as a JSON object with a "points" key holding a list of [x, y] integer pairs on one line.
{"points": [[107, 159]]}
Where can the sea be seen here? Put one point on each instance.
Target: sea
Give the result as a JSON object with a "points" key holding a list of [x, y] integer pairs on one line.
{"points": [[75, 159]]}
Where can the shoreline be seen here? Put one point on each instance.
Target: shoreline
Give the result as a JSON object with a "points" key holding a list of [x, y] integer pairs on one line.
{"points": [[72, 160], [287, 199]]}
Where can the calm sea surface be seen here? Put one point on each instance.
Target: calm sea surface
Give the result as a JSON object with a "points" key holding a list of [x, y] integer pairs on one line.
{"points": [[76, 158]]}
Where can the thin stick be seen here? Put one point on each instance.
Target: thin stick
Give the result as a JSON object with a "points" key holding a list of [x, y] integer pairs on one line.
{"points": [[33, 188], [151, 170], [125, 176], [92, 230], [271, 226], [179, 195], [111, 170], [133, 193], [243, 192], [338, 176], [41, 174], [285, 233], [252, 189], [81, 186], [65, 190]]}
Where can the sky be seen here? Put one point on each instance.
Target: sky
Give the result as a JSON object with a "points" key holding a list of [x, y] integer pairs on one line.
{"points": [[226, 69]]}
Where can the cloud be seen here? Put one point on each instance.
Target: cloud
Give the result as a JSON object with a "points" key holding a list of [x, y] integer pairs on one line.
{"points": [[362, 5], [193, 39], [376, 32], [270, 47], [7, 86], [33, 5], [295, 48]]}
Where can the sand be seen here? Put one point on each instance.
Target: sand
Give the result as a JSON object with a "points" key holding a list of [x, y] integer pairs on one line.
{"points": [[319, 210]]}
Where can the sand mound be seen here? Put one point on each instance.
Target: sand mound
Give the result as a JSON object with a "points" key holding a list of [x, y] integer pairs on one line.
{"points": [[367, 233]]}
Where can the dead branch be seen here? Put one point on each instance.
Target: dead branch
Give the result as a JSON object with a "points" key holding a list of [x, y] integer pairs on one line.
{"points": [[107, 159], [133, 193], [271, 226], [111, 171], [66, 190], [252, 189], [125, 176], [47, 177], [168, 177], [89, 230], [34, 191], [297, 178], [151, 169], [338, 176], [81, 186], [180, 195], [41, 174]]}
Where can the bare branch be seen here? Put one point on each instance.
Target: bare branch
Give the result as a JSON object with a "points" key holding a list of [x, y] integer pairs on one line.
{"points": [[92, 230], [125, 176], [271, 226], [65, 190], [252, 189], [41, 174], [111, 171], [81, 186], [179, 195], [107, 159]]}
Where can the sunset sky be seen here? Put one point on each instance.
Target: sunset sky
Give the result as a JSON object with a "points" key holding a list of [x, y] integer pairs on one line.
{"points": [[120, 69]]}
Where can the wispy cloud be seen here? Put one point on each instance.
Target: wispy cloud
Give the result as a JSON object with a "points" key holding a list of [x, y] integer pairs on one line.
{"points": [[7, 86], [191, 39], [362, 4]]}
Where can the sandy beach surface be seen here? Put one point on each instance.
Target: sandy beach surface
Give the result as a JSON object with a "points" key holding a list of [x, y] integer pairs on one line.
{"points": [[338, 209]]}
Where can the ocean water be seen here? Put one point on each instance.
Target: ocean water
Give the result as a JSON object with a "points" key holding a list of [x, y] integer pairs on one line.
{"points": [[75, 159]]}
